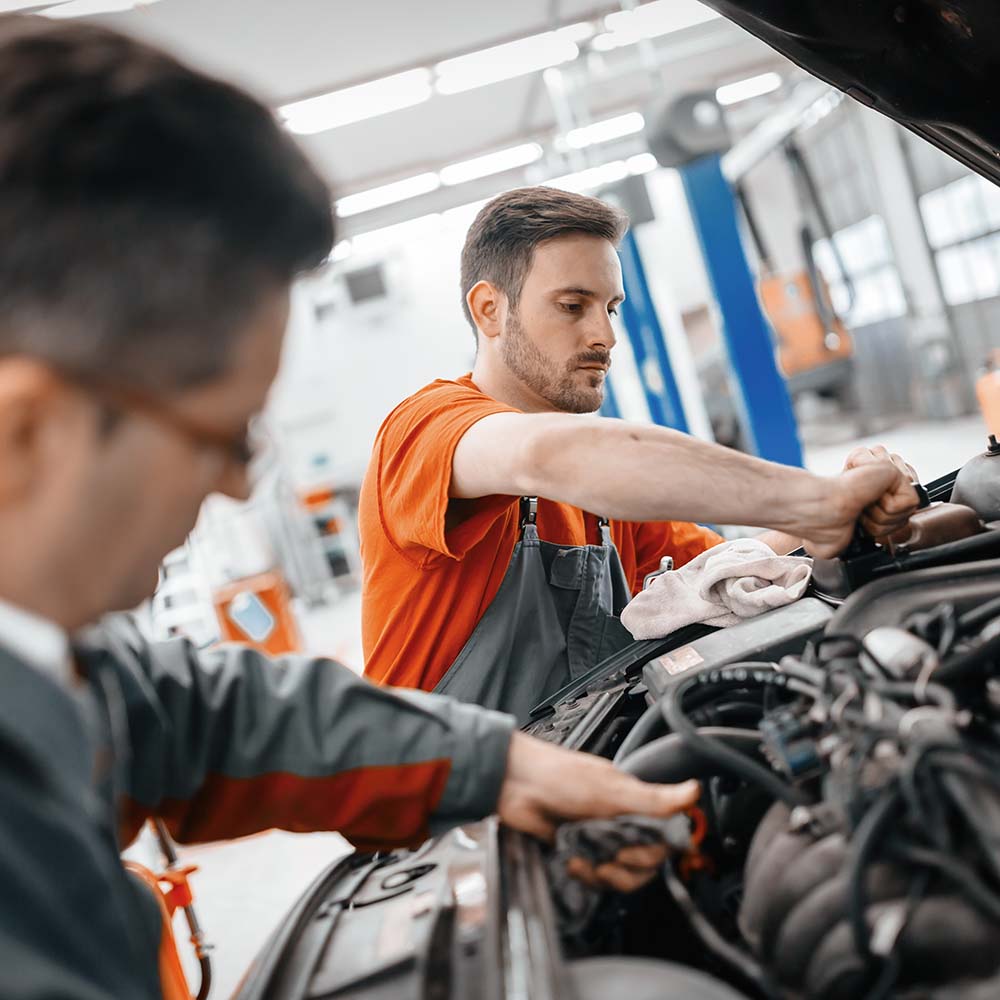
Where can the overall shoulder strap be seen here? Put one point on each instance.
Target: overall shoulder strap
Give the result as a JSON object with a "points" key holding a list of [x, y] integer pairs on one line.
{"points": [[529, 511]]}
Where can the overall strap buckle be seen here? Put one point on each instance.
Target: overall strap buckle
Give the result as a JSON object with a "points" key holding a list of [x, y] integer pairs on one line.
{"points": [[529, 510]]}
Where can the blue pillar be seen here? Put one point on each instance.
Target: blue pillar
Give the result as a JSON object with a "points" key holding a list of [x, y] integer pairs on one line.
{"points": [[646, 337], [609, 408], [766, 410]]}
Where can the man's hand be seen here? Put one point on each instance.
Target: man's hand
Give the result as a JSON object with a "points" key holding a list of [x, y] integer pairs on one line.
{"points": [[893, 510], [828, 529], [546, 785]]}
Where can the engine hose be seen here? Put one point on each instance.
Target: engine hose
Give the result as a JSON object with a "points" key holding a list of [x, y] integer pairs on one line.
{"points": [[736, 959], [672, 759], [646, 726], [968, 665], [716, 750], [864, 846]]}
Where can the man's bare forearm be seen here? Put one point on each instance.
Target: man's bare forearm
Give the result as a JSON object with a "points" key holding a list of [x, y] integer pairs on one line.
{"points": [[636, 472]]}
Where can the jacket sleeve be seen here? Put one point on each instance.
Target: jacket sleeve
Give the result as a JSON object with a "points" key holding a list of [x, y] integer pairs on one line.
{"points": [[229, 742]]}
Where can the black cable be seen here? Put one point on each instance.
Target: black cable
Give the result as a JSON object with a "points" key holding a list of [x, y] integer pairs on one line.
{"points": [[892, 966], [967, 665], [641, 733], [728, 713], [962, 875], [670, 759], [736, 959], [731, 760], [929, 808], [886, 982], [863, 846], [954, 784], [979, 616], [646, 727]]}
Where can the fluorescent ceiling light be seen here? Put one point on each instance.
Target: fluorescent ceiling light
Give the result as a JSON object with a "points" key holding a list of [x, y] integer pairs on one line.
{"points": [[387, 194], [661, 17], [85, 8], [609, 40], [641, 163], [594, 177], [743, 90], [579, 32], [606, 130], [504, 62], [651, 20], [354, 104], [9, 6], [491, 163], [341, 251]]}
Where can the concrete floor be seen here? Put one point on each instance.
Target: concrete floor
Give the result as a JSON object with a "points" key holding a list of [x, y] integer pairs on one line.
{"points": [[245, 887], [932, 448]]}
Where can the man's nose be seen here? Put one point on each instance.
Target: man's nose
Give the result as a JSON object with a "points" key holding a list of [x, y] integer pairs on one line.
{"points": [[602, 334]]}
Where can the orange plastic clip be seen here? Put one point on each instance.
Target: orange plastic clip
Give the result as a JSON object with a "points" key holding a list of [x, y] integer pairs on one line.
{"points": [[179, 894], [693, 860]]}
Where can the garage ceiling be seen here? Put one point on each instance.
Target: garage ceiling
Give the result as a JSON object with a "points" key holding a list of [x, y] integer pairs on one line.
{"points": [[289, 50]]}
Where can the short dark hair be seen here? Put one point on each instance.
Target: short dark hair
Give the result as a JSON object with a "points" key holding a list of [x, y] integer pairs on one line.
{"points": [[502, 239], [145, 207]]}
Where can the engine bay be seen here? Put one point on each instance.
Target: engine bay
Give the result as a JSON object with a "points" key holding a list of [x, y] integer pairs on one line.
{"points": [[846, 844]]}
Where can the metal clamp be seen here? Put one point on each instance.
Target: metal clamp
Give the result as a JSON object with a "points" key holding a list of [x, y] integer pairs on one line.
{"points": [[666, 566], [529, 510]]}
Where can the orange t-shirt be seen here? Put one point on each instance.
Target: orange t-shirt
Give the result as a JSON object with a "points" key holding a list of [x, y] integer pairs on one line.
{"points": [[431, 573]]}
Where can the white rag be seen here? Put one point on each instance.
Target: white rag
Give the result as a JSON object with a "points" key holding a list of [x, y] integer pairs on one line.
{"points": [[725, 584]]}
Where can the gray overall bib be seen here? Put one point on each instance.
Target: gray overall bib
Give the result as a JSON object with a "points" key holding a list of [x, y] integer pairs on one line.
{"points": [[553, 618]]}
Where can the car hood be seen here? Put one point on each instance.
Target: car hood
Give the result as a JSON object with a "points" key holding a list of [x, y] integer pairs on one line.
{"points": [[929, 64]]}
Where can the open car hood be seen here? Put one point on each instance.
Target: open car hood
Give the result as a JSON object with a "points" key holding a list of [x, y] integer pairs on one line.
{"points": [[929, 64]]}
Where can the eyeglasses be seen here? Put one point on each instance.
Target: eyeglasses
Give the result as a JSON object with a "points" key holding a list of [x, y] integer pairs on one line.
{"points": [[240, 448]]}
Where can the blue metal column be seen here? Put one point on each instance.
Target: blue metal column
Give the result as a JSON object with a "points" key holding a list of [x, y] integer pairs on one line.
{"points": [[646, 337], [766, 409], [609, 408]]}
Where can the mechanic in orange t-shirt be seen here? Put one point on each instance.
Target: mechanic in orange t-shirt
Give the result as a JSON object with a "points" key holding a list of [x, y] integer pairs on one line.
{"points": [[491, 570]]}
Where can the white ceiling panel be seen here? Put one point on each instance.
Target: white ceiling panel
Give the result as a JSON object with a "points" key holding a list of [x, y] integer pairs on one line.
{"points": [[286, 49]]}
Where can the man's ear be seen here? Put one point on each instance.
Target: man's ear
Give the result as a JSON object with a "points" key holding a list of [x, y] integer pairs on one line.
{"points": [[486, 303], [27, 393]]}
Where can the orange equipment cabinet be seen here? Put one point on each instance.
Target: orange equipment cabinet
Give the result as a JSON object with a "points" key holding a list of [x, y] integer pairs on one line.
{"points": [[257, 611], [805, 342]]}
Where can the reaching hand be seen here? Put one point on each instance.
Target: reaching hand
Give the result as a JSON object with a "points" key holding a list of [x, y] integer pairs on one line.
{"points": [[892, 511], [829, 530], [546, 785]]}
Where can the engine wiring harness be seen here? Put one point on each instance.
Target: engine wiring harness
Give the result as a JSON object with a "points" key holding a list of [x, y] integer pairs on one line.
{"points": [[875, 870]]}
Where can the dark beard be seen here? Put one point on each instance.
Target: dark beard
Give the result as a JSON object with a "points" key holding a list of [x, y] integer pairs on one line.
{"points": [[539, 373]]}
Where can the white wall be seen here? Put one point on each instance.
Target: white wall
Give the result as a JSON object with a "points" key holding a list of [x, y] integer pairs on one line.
{"points": [[342, 375], [670, 250]]}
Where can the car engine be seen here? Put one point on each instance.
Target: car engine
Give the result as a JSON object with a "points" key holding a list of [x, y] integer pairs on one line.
{"points": [[847, 840]]}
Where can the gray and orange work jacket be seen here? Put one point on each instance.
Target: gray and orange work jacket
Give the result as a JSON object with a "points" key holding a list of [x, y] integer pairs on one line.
{"points": [[219, 744]]}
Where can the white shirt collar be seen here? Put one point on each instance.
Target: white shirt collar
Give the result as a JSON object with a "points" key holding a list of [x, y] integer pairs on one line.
{"points": [[37, 641]]}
